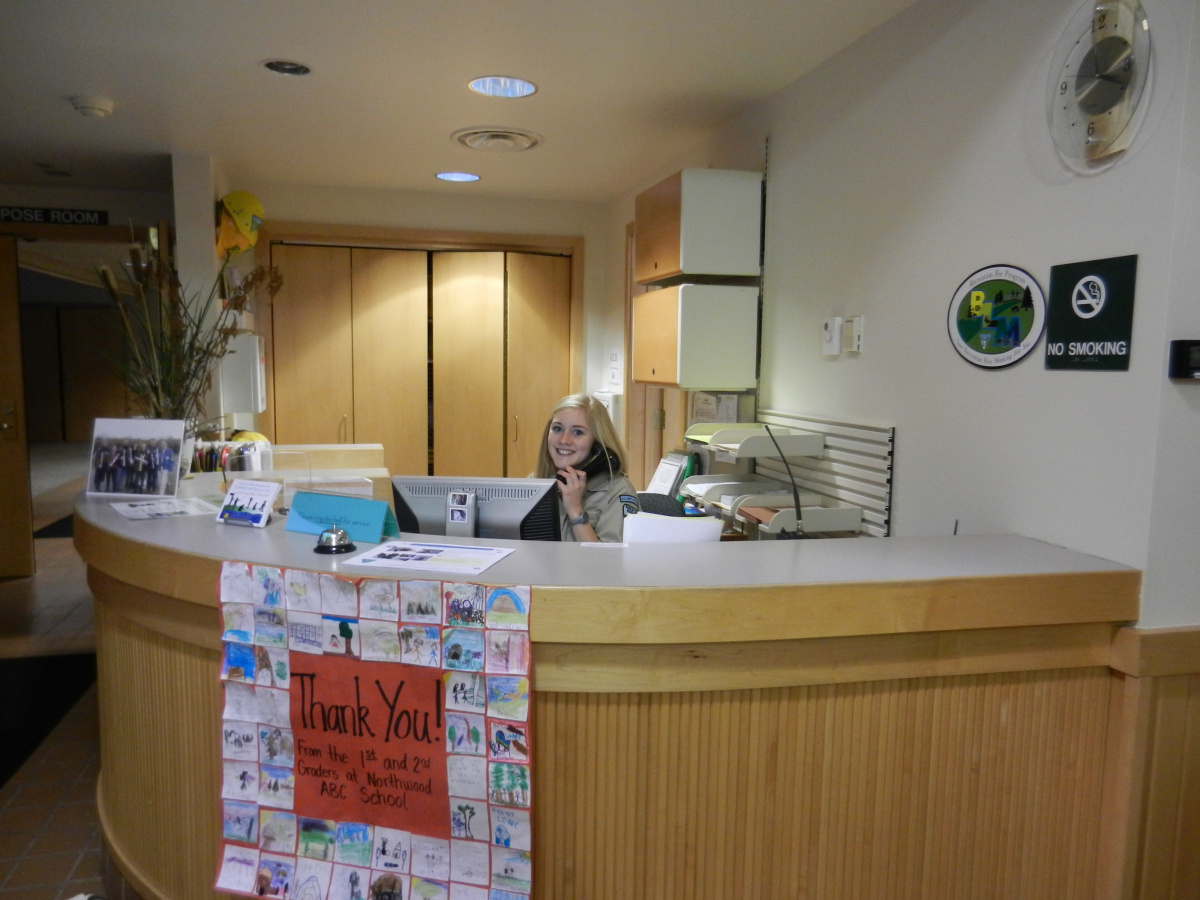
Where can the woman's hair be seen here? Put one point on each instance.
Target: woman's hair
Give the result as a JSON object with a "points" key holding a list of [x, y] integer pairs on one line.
{"points": [[603, 432]]}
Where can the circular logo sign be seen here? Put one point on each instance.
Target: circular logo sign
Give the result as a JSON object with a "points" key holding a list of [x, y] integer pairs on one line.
{"points": [[996, 316], [1087, 299]]}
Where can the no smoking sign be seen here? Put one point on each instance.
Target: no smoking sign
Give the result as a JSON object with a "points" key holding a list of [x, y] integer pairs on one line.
{"points": [[1089, 317]]}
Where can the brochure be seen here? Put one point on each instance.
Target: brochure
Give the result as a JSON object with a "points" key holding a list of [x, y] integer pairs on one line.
{"points": [[248, 502]]}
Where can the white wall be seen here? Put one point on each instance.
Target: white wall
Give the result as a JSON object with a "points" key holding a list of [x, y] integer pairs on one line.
{"points": [[919, 155]]}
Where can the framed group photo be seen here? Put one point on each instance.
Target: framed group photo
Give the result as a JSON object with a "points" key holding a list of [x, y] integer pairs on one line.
{"points": [[135, 457]]}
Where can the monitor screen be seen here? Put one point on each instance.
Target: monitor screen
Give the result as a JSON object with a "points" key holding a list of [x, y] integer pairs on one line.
{"points": [[524, 509]]}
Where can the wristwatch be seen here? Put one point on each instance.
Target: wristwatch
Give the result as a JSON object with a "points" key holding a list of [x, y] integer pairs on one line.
{"points": [[581, 519]]}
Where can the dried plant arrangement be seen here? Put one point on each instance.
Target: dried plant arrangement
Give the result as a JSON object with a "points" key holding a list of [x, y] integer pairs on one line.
{"points": [[172, 338]]}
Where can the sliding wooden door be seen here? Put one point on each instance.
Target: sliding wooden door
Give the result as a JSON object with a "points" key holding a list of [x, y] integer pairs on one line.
{"points": [[391, 355], [468, 363], [539, 352], [313, 348]]}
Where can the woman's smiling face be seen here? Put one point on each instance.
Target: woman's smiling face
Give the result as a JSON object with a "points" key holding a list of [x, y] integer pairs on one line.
{"points": [[570, 438]]}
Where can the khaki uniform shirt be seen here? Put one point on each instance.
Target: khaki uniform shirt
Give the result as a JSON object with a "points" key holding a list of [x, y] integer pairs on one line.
{"points": [[607, 500]]}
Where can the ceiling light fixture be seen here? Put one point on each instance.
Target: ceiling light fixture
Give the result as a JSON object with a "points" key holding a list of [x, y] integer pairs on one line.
{"points": [[457, 176], [286, 67], [503, 140], [502, 86], [93, 107]]}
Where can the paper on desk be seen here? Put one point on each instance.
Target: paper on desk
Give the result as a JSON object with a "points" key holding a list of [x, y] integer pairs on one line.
{"points": [[647, 528], [164, 509]]}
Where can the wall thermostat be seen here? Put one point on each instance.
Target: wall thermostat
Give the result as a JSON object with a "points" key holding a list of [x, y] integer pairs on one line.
{"points": [[1184, 360]]}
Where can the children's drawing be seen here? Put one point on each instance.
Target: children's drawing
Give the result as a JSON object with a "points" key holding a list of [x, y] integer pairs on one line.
{"points": [[275, 746], [277, 831], [236, 584], [239, 780], [275, 874], [268, 586], [428, 889], [239, 622], [306, 634], [506, 652], [510, 827], [462, 648], [508, 784], [512, 870], [379, 598], [239, 740], [466, 776], [341, 636], [316, 838], [379, 640], [508, 607], [239, 868], [349, 882], [353, 844], [430, 858], [270, 627], [271, 667], [465, 734], [241, 703], [421, 645], [469, 862], [239, 821], [274, 707], [391, 849], [508, 697], [388, 884], [508, 741], [276, 786], [339, 596], [421, 601], [497, 894], [302, 590], [465, 691], [312, 879], [237, 662], [464, 604], [471, 892], [468, 819]]}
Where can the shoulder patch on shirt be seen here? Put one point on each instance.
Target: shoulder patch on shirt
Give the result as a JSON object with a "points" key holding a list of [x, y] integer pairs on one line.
{"points": [[629, 504]]}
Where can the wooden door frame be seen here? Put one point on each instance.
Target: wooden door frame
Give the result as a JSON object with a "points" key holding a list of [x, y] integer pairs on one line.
{"points": [[18, 559], [389, 238]]}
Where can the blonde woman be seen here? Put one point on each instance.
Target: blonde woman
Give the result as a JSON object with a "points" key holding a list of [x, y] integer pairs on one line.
{"points": [[581, 449]]}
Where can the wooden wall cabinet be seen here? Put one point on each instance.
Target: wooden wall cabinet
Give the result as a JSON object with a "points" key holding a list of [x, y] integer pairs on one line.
{"points": [[696, 337], [698, 222]]}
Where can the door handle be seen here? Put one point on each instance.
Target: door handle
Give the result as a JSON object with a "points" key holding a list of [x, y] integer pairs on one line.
{"points": [[8, 422], [516, 428]]}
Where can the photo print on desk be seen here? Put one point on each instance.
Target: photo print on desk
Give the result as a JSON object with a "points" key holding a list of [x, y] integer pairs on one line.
{"points": [[366, 751]]}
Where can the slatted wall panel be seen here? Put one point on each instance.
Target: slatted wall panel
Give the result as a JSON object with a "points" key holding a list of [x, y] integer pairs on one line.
{"points": [[856, 467], [957, 788], [166, 717]]}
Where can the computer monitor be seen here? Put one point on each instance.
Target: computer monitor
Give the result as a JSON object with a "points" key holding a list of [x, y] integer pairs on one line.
{"points": [[524, 509]]}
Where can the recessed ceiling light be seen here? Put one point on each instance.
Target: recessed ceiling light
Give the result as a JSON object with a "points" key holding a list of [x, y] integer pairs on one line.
{"points": [[502, 86], [457, 176], [286, 67], [93, 107]]}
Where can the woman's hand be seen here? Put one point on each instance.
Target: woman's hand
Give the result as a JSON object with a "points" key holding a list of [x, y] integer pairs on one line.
{"points": [[571, 485]]}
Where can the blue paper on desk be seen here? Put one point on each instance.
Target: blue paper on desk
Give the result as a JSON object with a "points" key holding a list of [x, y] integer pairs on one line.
{"points": [[362, 519]]}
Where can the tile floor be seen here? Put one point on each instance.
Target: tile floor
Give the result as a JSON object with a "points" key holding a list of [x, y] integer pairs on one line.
{"points": [[50, 845]]}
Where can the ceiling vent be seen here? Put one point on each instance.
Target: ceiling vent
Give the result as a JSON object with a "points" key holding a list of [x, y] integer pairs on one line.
{"points": [[504, 140]]}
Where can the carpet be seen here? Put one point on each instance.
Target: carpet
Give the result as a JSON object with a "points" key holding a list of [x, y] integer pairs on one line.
{"points": [[37, 692], [64, 527]]}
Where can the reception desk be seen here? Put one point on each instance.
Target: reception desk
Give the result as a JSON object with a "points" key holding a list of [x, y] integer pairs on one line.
{"points": [[872, 717]]}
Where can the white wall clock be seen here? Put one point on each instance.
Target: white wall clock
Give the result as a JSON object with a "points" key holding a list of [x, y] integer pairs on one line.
{"points": [[1098, 79]]}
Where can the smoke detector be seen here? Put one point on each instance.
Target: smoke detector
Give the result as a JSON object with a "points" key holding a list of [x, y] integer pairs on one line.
{"points": [[94, 107], [503, 140]]}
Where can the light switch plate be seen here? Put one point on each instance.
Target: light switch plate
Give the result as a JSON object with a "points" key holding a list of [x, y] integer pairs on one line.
{"points": [[831, 336]]}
